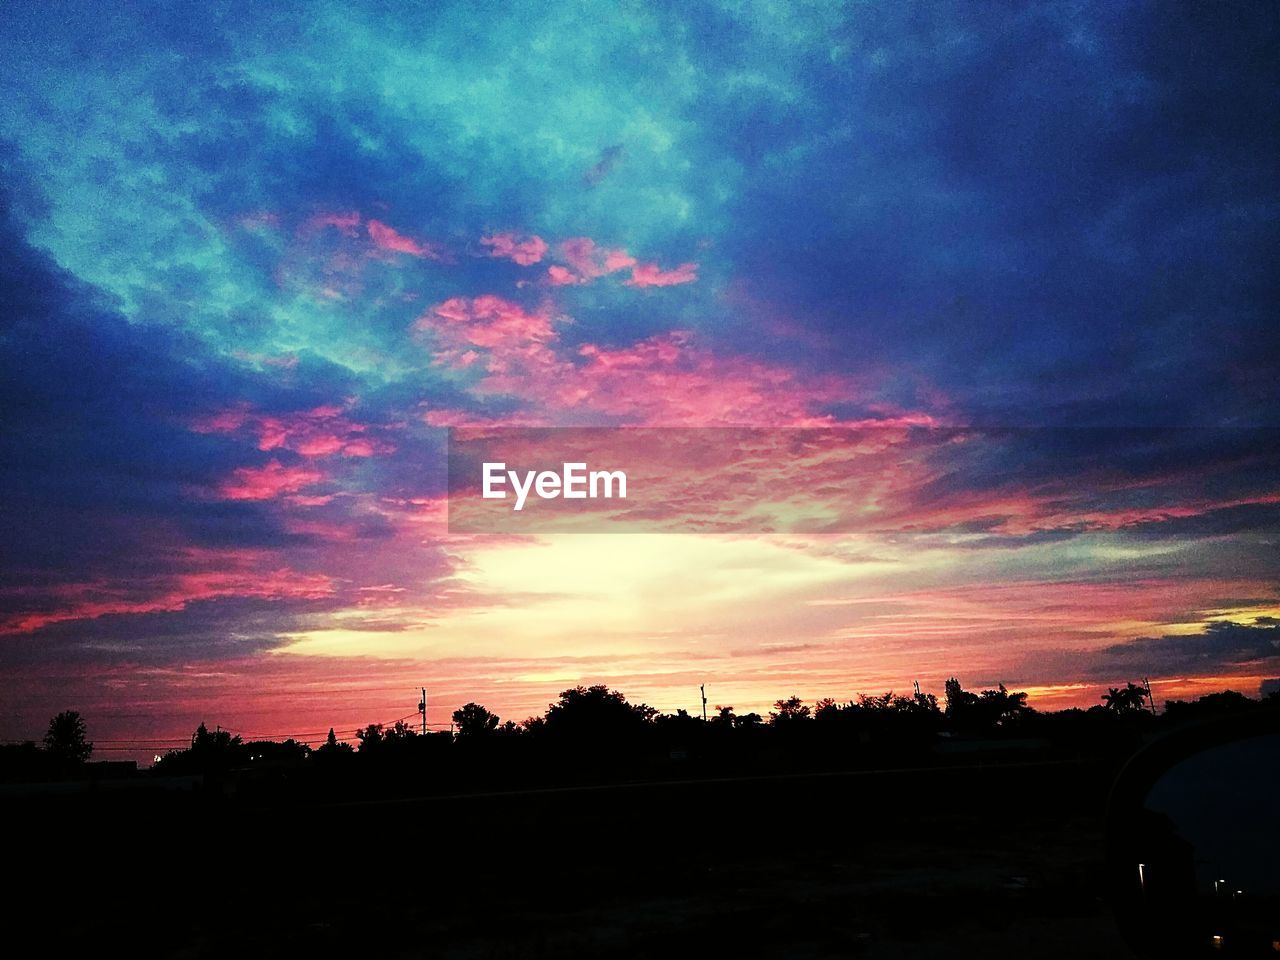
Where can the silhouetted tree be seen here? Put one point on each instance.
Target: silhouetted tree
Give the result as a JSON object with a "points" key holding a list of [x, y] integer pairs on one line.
{"points": [[830, 712], [382, 741], [219, 741], [332, 746], [210, 752], [473, 720], [66, 738], [724, 717], [1211, 704], [959, 700], [872, 703], [274, 752], [791, 710], [1001, 708], [370, 738], [596, 713], [825, 708], [398, 732], [748, 721], [1128, 699], [985, 711], [926, 703], [679, 728]]}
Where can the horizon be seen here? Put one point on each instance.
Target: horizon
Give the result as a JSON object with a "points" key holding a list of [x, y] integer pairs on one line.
{"points": [[146, 750]]}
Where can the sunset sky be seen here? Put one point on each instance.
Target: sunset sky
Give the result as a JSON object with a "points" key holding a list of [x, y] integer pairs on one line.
{"points": [[256, 259]]}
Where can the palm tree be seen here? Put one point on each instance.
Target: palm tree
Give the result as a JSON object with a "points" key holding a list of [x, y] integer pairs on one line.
{"points": [[1128, 699]]}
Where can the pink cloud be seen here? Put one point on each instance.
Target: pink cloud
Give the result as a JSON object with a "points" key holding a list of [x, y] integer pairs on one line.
{"points": [[588, 261], [226, 421], [491, 333], [387, 238], [268, 481], [580, 253], [669, 379], [585, 260], [320, 432], [344, 223], [649, 275], [665, 379], [449, 417], [199, 574], [615, 260], [525, 251], [562, 276]]}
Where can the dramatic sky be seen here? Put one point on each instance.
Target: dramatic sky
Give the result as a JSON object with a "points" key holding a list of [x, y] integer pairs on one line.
{"points": [[256, 258]]}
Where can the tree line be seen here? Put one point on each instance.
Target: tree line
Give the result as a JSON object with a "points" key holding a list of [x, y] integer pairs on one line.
{"points": [[596, 725]]}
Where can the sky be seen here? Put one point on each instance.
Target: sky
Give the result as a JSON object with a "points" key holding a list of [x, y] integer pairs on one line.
{"points": [[257, 259]]}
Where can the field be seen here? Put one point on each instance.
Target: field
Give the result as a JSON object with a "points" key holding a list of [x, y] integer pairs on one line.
{"points": [[881, 864]]}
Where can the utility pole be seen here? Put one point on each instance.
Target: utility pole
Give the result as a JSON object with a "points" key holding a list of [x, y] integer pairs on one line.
{"points": [[1151, 701], [703, 687], [422, 709]]}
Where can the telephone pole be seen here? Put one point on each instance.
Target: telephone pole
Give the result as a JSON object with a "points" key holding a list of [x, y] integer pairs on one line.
{"points": [[703, 688], [422, 709]]}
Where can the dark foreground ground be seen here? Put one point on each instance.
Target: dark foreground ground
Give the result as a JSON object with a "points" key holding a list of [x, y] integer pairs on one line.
{"points": [[978, 861]]}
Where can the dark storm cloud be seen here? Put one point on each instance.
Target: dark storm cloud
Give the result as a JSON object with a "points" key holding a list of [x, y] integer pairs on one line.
{"points": [[1064, 214], [96, 442], [203, 631], [1222, 645]]}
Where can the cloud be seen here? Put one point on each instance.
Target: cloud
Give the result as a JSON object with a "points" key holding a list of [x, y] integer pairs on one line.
{"points": [[590, 261], [269, 481], [496, 334], [649, 275], [662, 380], [387, 238], [525, 251], [587, 261], [867, 242], [1222, 645], [322, 431], [347, 223], [561, 276], [195, 575]]}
